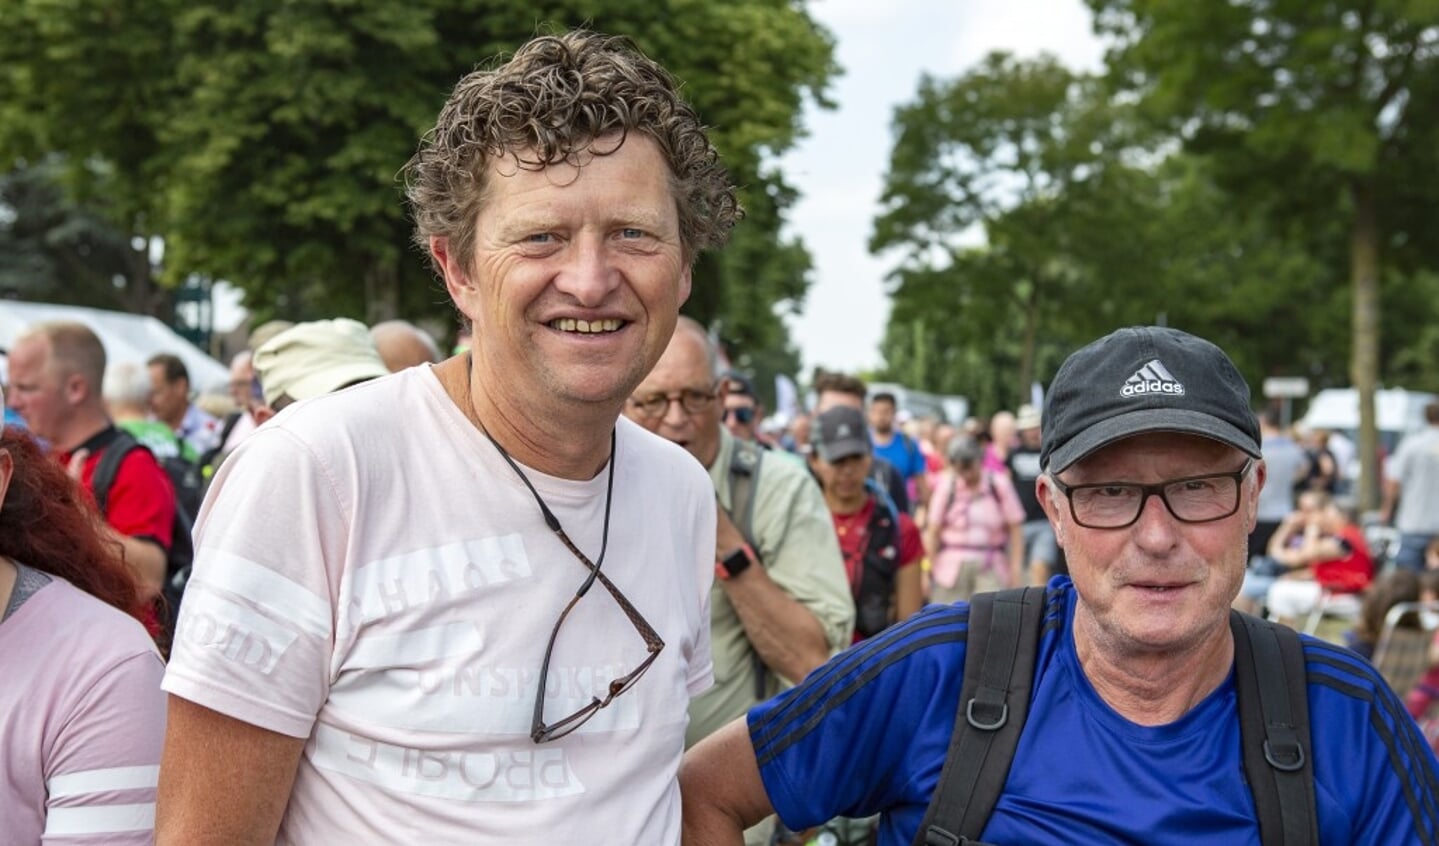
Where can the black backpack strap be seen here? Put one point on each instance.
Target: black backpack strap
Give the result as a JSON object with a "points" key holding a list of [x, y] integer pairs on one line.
{"points": [[1271, 685], [1000, 652], [104, 477], [745, 462], [744, 467]]}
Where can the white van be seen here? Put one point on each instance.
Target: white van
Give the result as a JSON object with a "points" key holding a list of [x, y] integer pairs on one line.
{"points": [[1397, 412]]}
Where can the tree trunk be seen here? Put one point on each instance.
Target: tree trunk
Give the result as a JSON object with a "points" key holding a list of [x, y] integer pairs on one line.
{"points": [[920, 352], [1364, 364], [1031, 331], [382, 292]]}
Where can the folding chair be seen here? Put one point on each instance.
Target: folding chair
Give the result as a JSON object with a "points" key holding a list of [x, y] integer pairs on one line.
{"points": [[1338, 606], [1402, 654]]}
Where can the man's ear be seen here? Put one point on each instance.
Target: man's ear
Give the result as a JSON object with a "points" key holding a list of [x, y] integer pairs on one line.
{"points": [[76, 389], [1049, 500], [686, 283], [457, 280], [1251, 511]]}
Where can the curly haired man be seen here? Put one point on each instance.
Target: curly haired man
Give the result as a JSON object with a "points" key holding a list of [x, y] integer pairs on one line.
{"points": [[468, 603]]}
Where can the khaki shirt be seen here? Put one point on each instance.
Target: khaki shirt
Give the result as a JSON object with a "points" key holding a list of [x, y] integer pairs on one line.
{"points": [[800, 553]]}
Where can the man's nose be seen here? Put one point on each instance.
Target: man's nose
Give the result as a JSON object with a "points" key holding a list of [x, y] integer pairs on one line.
{"points": [[589, 274], [1157, 529], [675, 415]]}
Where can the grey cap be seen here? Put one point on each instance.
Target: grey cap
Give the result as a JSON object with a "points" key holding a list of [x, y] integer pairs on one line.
{"points": [[840, 433]]}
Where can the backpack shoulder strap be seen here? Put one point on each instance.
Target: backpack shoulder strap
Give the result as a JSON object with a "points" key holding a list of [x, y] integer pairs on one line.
{"points": [[744, 467], [1000, 652], [1271, 685], [911, 449], [104, 478]]}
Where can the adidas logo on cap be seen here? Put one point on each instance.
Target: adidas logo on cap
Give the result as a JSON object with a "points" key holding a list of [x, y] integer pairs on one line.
{"points": [[1152, 378]]}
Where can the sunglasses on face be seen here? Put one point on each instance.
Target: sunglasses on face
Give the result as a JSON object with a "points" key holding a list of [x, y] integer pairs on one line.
{"points": [[744, 415]]}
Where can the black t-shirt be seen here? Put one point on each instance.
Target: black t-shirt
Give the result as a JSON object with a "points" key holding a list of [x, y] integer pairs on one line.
{"points": [[1024, 468]]}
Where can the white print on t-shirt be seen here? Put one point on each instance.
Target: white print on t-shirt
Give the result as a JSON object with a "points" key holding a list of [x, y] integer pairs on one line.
{"points": [[401, 583], [518, 774], [235, 631], [477, 695]]}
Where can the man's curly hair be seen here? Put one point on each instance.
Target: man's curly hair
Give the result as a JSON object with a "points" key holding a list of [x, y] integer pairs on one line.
{"points": [[549, 103]]}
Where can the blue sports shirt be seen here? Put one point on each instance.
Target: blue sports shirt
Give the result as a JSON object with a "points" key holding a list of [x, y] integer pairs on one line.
{"points": [[868, 732]]}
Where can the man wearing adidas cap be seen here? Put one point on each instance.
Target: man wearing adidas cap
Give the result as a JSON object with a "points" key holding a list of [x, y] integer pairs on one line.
{"points": [[1133, 732]]}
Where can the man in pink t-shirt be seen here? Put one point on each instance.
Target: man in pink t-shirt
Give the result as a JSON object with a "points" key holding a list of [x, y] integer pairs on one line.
{"points": [[467, 603]]}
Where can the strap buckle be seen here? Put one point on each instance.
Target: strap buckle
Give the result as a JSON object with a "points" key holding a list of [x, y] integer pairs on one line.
{"points": [[992, 711]]}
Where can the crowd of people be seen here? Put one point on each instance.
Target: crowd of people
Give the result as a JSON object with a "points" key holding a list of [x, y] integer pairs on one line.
{"points": [[564, 585]]}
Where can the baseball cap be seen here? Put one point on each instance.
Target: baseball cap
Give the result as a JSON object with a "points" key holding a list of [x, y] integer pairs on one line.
{"points": [[964, 450], [1145, 379], [311, 359], [738, 383], [839, 433]]}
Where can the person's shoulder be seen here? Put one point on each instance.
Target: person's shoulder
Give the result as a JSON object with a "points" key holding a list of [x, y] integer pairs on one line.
{"points": [[654, 453], [139, 459], [1344, 679], [384, 406], [79, 623]]}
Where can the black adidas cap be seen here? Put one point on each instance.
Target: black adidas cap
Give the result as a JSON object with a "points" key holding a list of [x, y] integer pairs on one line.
{"points": [[1145, 379]]}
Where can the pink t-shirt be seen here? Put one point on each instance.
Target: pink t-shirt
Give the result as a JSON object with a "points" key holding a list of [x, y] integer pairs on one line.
{"points": [[82, 719], [974, 523], [372, 576]]}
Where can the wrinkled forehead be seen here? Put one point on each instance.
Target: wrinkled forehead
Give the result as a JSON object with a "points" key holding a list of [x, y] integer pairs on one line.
{"points": [[1158, 455]]}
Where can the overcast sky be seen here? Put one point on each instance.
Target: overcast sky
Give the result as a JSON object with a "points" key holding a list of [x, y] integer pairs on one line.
{"points": [[839, 168]]}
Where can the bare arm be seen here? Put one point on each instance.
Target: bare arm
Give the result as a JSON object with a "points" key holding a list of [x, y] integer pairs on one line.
{"points": [[908, 592], [921, 498], [1279, 542], [222, 781], [1391, 497], [785, 634], [1016, 554], [936, 514], [147, 561], [721, 789]]}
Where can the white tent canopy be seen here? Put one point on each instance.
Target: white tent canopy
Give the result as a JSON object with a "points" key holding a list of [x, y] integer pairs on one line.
{"points": [[127, 337]]}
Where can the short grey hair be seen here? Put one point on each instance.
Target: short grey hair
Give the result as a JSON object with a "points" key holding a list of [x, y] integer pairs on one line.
{"points": [[707, 343], [127, 384]]}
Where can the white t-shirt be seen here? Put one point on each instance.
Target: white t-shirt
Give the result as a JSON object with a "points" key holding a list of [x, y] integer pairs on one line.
{"points": [[371, 575], [82, 720]]}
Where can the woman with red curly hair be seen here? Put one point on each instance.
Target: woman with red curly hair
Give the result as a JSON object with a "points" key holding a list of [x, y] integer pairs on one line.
{"points": [[82, 717]]}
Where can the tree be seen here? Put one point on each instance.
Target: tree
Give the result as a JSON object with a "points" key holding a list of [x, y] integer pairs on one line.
{"points": [[81, 86], [53, 249], [262, 140], [1088, 223], [1003, 194], [1310, 110]]}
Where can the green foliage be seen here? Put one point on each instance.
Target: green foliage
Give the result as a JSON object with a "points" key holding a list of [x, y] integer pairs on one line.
{"points": [[53, 249], [261, 140], [1318, 105], [1087, 223]]}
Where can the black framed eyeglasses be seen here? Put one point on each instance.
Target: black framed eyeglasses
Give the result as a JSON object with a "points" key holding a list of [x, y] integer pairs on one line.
{"points": [[655, 405], [1117, 505], [540, 731]]}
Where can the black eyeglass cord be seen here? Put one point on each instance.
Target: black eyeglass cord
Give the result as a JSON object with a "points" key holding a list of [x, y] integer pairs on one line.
{"points": [[550, 519]]}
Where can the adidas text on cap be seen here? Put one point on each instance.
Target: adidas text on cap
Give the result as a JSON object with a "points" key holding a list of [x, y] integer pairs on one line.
{"points": [[1145, 379]]}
